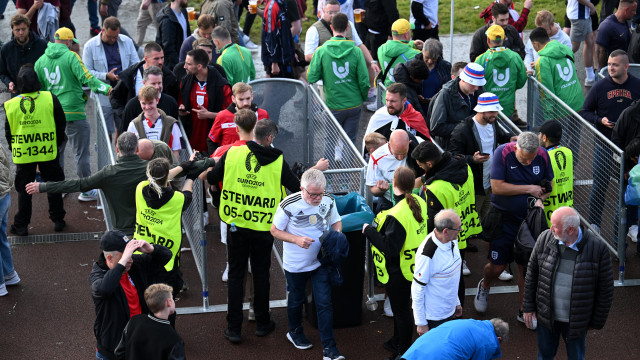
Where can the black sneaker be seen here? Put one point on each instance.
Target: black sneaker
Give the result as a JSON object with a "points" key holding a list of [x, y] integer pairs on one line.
{"points": [[59, 225], [232, 336], [264, 330], [331, 353], [391, 346], [20, 231], [298, 339]]}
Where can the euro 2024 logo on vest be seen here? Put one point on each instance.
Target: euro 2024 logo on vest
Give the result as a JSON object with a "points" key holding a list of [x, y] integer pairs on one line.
{"points": [[53, 77], [341, 71], [501, 79], [565, 72]]}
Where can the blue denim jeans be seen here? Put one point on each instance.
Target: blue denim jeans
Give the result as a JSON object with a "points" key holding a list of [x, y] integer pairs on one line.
{"points": [[548, 341], [6, 260], [296, 284]]}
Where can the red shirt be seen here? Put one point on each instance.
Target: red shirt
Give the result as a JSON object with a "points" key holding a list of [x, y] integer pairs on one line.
{"points": [[200, 127], [223, 132], [132, 295]]}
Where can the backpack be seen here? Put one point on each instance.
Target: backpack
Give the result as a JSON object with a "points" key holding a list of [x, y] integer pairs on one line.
{"points": [[277, 43], [532, 226]]}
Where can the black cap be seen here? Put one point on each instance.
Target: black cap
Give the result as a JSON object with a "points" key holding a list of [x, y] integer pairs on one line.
{"points": [[114, 240], [551, 128]]}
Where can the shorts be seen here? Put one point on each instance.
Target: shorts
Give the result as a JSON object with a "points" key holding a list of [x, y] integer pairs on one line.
{"points": [[594, 22], [580, 28], [500, 229]]}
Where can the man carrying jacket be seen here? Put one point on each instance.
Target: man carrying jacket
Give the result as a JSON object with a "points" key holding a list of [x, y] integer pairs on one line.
{"points": [[118, 281], [500, 15], [173, 29], [62, 72], [341, 66], [25, 47], [504, 70], [569, 285]]}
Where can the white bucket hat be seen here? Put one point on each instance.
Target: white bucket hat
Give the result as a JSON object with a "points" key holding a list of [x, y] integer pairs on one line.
{"points": [[488, 102], [473, 74]]}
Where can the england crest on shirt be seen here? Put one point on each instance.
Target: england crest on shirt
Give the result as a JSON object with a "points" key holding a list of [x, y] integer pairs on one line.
{"points": [[536, 170]]}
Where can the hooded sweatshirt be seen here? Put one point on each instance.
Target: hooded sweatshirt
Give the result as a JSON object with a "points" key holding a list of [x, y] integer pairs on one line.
{"points": [[556, 70], [342, 68], [505, 73], [62, 72], [402, 51]]}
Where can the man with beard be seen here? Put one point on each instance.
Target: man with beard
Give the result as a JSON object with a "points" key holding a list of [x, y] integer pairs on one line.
{"points": [[224, 132], [173, 29], [24, 47]]}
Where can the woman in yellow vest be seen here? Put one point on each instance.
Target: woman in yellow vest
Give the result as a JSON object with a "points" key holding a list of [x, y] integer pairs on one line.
{"points": [[395, 237], [158, 216]]}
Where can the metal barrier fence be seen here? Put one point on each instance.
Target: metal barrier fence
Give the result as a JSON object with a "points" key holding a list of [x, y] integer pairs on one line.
{"points": [[634, 69], [105, 154], [598, 168]]}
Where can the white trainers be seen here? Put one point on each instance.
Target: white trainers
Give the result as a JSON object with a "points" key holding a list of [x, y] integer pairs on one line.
{"points": [[3, 290], [12, 279], [505, 276], [373, 107], [387, 308], [225, 274], [633, 233], [250, 45], [91, 195], [589, 82], [481, 298], [252, 315], [465, 269]]}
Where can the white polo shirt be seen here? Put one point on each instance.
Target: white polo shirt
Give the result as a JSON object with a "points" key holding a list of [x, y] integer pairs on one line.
{"points": [[296, 217], [382, 166], [434, 290], [575, 10]]}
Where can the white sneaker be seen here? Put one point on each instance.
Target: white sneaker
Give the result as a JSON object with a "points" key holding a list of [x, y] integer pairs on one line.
{"points": [[465, 269], [12, 279], [589, 82], [3, 290], [252, 315], [505, 276], [387, 308], [91, 195], [225, 274], [596, 228], [481, 299], [633, 233], [250, 45], [372, 107]]}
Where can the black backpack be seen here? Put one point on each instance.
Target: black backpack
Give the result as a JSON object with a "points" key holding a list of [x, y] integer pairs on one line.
{"points": [[532, 226]]}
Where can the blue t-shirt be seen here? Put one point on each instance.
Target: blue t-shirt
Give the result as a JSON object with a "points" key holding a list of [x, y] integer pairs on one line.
{"points": [[112, 52], [613, 35], [505, 166], [431, 85]]}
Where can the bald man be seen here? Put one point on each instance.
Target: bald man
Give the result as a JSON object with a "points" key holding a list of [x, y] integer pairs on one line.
{"points": [[153, 149], [383, 163]]}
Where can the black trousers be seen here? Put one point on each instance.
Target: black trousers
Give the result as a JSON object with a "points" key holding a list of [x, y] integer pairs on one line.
{"points": [[373, 42], [424, 34], [399, 292], [26, 173], [242, 245]]}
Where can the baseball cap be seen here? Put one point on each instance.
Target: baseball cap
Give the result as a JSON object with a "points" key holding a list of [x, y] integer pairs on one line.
{"points": [[401, 26], [495, 33], [488, 102], [65, 34], [551, 128], [113, 240], [473, 74]]}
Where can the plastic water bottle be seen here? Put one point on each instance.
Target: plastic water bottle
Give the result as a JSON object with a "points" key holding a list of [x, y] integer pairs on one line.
{"points": [[233, 227]]}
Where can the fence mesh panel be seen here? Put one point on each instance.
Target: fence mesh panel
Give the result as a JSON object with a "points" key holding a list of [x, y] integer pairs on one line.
{"points": [[105, 154], [634, 69], [596, 161]]}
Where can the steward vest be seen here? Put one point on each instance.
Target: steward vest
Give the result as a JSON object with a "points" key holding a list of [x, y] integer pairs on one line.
{"points": [[562, 193], [250, 192], [463, 200], [33, 129], [325, 33], [160, 226], [416, 232], [167, 126]]}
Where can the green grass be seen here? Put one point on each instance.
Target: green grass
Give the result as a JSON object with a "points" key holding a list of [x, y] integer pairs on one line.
{"points": [[466, 16]]}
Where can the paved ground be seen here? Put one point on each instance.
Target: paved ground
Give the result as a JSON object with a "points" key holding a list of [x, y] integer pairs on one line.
{"points": [[50, 314]]}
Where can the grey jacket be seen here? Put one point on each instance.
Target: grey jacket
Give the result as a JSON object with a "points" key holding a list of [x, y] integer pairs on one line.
{"points": [[6, 180], [591, 291]]}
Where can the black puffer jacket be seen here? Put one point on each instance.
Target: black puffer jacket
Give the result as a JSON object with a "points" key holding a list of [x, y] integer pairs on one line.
{"points": [[401, 75], [591, 291], [479, 41], [170, 34], [627, 128]]}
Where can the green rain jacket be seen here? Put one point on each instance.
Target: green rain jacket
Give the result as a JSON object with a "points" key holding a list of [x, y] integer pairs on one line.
{"points": [[556, 70], [505, 73], [402, 51]]}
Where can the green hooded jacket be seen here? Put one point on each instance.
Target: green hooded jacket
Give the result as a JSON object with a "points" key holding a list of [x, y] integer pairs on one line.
{"points": [[392, 48], [556, 70], [62, 72], [237, 61], [505, 73], [340, 64]]}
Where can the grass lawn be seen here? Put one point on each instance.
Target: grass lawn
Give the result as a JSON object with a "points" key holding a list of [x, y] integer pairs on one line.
{"points": [[466, 14]]}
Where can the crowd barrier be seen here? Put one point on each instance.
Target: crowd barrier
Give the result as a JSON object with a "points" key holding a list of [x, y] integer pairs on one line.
{"points": [[598, 168], [634, 69], [105, 155]]}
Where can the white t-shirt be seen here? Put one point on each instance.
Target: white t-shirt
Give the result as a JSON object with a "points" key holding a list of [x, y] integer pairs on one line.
{"points": [[575, 10], [430, 10], [153, 133], [312, 40], [382, 166], [296, 217], [487, 137], [531, 54]]}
